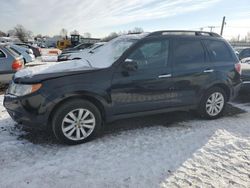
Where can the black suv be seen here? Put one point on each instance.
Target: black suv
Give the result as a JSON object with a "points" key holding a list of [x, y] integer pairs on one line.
{"points": [[131, 75]]}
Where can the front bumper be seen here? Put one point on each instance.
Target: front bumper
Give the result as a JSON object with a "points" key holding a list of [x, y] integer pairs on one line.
{"points": [[27, 111]]}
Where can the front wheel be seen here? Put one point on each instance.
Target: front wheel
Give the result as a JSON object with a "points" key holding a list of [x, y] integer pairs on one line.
{"points": [[76, 121], [213, 103]]}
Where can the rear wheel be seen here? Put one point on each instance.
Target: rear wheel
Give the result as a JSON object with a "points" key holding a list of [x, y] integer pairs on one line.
{"points": [[213, 103], [76, 121]]}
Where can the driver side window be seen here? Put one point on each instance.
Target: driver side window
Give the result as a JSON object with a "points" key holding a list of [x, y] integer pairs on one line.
{"points": [[151, 54]]}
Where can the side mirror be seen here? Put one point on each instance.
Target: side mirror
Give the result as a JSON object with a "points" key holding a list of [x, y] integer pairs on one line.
{"points": [[130, 65]]}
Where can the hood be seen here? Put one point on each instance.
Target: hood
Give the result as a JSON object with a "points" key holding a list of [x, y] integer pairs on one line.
{"points": [[52, 70]]}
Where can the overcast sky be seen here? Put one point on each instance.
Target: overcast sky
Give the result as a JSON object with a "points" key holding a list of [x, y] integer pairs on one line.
{"points": [[100, 17]]}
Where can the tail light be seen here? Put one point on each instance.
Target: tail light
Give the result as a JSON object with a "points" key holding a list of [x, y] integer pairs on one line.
{"points": [[17, 65], [238, 68]]}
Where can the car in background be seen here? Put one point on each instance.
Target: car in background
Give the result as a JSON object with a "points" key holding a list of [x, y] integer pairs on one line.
{"points": [[244, 53], [245, 60], [131, 75], [36, 50], [27, 53], [245, 76], [80, 54], [10, 62], [77, 48]]}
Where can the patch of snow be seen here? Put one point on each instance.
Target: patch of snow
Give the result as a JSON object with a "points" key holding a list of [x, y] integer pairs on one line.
{"points": [[195, 153], [53, 67]]}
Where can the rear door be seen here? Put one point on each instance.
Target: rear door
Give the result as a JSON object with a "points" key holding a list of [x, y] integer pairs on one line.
{"points": [[191, 69], [222, 59]]}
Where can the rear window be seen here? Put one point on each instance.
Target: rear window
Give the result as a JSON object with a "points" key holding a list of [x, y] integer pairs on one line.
{"points": [[13, 52], [188, 52], [218, 51], [2, 54]]}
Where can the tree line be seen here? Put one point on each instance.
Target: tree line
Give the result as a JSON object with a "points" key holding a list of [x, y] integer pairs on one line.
{"points": [[24, 34]]}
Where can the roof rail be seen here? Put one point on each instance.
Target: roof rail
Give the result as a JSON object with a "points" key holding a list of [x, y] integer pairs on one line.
{"points": [[184, 32]]}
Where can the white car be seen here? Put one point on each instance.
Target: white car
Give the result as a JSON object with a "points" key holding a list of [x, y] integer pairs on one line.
{"points": [[85, 53], [246, 60], [27, 54]]}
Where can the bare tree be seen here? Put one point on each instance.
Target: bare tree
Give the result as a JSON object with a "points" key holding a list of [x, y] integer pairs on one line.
{"points": [[75, 32], [86, 35], [110, 37], [63, 33], [21, 33], [136, 30], [248, 37]]}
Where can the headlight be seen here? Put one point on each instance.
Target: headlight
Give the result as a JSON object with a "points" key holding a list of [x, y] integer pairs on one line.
{"points": [[21, 89]]}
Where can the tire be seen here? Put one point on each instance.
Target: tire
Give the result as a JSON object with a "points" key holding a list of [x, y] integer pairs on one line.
{"points": [[70, 129], [213, 110]]}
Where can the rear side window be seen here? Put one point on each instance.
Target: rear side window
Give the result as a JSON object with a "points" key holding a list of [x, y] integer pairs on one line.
{"points": [[186, 52], [2, 55], [218, 51]]}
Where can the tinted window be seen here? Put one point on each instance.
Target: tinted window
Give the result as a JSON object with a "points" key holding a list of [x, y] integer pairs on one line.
{"points": [[151, 54], [218, 51], [187, 52], [2, 55]]}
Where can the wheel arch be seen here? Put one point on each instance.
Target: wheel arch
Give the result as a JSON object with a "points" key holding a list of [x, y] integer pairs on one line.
{"points": [[224, 87], [92, 99]]}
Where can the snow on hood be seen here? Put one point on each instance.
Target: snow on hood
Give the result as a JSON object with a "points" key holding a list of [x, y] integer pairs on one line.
{"points": [[54, 67], [102, 57]]}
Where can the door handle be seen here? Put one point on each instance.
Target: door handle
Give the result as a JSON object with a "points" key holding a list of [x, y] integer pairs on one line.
{"points": [[208, 71], [165, 76]]}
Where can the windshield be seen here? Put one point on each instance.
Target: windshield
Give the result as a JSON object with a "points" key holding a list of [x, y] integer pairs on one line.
{"points": [[107, 54]]}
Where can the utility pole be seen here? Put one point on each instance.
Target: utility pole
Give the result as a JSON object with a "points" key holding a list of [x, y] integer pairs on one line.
{"points": [[211, 28], [222, 26]]}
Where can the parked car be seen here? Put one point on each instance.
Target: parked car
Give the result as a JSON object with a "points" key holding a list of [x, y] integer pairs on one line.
{"points": [[244, 53], [36, 50], [77, 48], [245, 60], [245, 76], [132, 75], [10, 62], [81, 53], [27, 54]]}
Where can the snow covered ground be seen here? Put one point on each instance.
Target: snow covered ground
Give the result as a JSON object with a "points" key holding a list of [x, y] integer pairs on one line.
{"points": [[169, 150]]}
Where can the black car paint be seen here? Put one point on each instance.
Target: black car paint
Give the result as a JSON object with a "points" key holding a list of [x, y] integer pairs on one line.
{"points": [[119, 93]]}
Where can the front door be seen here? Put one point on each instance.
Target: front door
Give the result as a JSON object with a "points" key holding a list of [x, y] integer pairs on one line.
{"points": [[149, 86]]}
